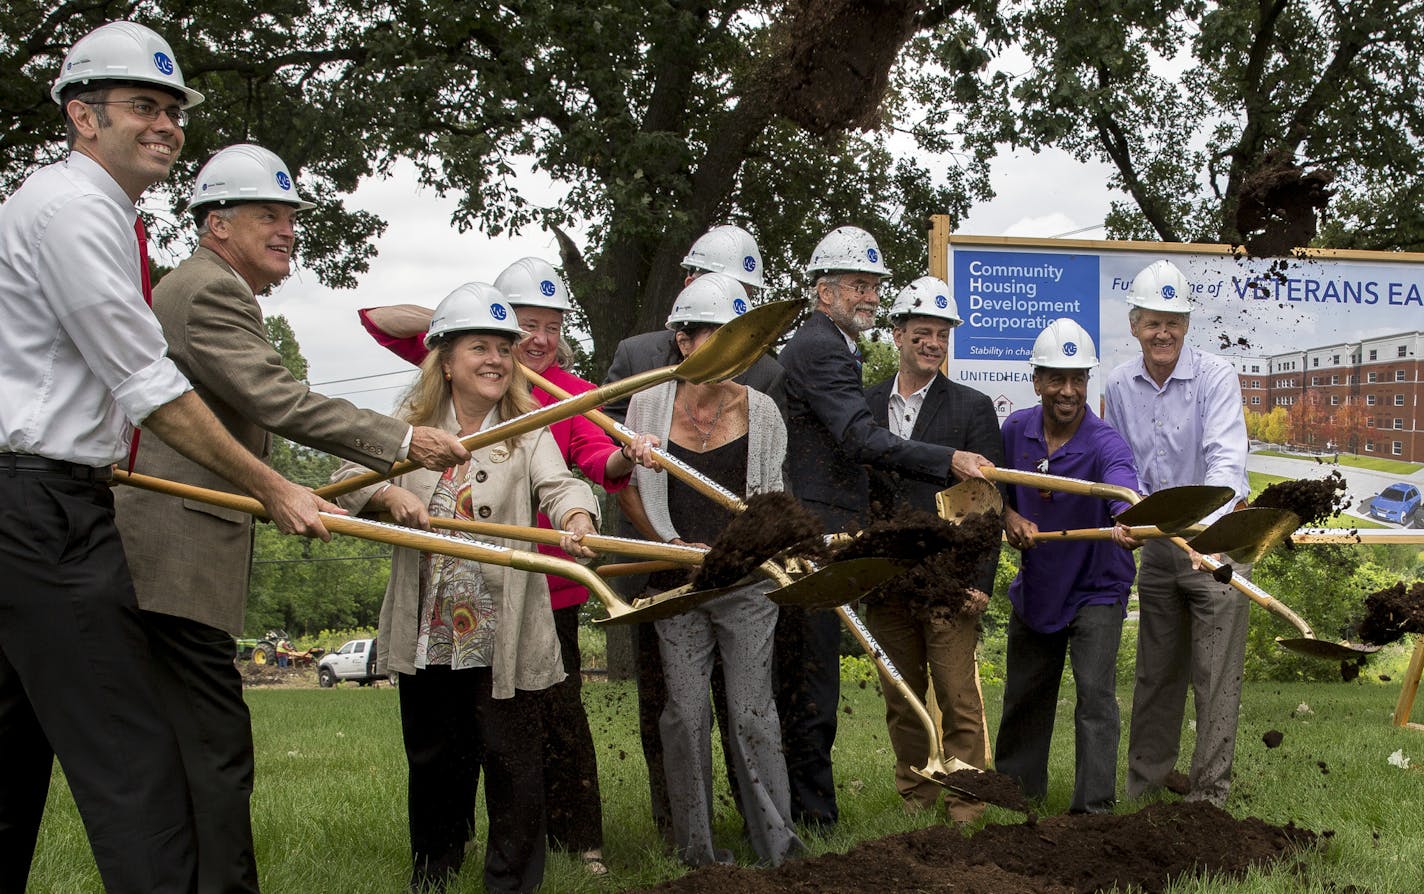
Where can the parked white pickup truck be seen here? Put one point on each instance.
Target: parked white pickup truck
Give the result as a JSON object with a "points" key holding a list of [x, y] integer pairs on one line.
{"points": [[355, 660]]}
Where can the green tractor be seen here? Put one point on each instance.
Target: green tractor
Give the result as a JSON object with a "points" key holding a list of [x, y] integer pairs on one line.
{"points": [[266, 650]]}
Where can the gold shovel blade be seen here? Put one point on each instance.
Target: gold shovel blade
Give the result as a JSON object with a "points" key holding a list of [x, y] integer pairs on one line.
{"points": [[668, 603], [1247, 534], [1175, 508], [968, 497], [1319, 648], [839, 583], [733, 348]]}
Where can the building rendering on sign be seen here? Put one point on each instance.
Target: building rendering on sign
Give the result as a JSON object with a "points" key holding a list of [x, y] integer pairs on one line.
{"points": [[1361, 397]]}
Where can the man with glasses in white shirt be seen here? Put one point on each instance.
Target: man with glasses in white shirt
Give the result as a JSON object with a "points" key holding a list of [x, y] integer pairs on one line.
{"points": [[81, 360], [832, 436]]}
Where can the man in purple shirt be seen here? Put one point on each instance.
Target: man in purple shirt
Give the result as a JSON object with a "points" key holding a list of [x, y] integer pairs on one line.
{"points": [[1070, 595], [1180, 411]]}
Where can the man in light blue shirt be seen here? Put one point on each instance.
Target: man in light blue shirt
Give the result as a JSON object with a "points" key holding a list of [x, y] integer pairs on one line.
{"points": [[1180, 411]]}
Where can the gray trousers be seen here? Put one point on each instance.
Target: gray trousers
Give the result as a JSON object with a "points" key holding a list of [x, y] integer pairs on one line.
{"points": [[740, 625], [1190, 629], [1035, 670]]}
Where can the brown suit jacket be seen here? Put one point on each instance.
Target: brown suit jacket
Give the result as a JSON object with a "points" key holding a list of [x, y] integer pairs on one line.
{"points": [[188, 558]]}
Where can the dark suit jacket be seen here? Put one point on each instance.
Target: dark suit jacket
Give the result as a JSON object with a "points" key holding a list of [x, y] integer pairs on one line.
{"points": [[953, 415], [831, 434], [188, 558], [650, 350]]}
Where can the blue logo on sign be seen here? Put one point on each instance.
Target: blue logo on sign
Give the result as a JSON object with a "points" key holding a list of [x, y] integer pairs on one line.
{"points": [[283, 180], [546, 288], [749, 264], [941, 302], [739, 305], [1169, 293], [498, 312], [872, 254], [163, 63], [1069, 349]]}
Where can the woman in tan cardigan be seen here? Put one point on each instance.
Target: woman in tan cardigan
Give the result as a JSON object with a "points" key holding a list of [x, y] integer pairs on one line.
{"points": [[474, 644]]}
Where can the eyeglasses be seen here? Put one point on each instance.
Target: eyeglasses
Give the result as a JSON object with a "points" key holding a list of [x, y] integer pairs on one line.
{"points": [[146, 109], [861, 289]]}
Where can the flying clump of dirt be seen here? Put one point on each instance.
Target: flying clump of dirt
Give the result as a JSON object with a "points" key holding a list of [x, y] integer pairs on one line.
{"points": [[1391, 613], [1314, 500], [951, 558], [1144, 851], [772, 523], [991, 787]]}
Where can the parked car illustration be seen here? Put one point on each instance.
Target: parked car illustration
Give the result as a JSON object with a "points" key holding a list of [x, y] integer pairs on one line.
{"points": [[1397, 503]]}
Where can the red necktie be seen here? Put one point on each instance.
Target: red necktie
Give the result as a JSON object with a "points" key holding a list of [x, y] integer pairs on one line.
{"points": [[142, 235]]}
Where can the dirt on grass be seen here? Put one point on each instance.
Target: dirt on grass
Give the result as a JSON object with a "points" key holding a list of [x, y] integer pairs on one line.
{"points": [[1146, 850], [263, 675]]}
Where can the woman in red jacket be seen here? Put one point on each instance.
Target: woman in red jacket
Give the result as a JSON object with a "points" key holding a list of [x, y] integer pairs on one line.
{"points": [[540, 299]]}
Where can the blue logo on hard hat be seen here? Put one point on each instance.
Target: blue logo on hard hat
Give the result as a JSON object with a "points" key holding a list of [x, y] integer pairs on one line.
{"points": [[163, 63], [749, 264], [941, 302], [546, 288], [283, 180], [498, 312], [1069, 349], [1169, 292], [873, 255], [739, 305]]}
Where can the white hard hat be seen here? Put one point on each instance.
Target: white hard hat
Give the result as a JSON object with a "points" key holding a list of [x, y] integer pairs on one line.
{"points": [[730, 250], [713, 298], [123, 51], [848, 249], [928, 296], [1063, 344], [473, 307], [245, 173], [1160, 286], [533, 282]]}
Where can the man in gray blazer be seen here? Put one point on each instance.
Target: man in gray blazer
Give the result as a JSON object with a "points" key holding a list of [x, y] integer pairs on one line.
{"points": [[189, 560]]}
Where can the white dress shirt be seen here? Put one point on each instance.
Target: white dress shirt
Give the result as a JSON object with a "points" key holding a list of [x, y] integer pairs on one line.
{"points": [[81, 355], [1189, 431], [905, 409]]}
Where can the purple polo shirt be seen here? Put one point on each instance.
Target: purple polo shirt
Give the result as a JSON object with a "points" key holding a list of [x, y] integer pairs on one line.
{"points": [[1056, 579]]}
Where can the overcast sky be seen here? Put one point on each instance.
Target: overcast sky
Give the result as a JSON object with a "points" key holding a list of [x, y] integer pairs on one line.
{"points": [[422, 258]]}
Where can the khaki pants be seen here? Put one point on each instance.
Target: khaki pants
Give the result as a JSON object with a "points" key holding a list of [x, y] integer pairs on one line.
{"points": [[941, 653]]}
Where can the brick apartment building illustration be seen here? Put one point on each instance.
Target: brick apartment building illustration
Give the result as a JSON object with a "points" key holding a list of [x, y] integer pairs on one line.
{"points": [[1375, 383]]}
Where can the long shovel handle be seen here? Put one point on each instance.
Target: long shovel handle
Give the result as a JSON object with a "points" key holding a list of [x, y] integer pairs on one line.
{"points": [[1060, 483], [1255, 593], [623, 569], [555, 412], [625, 435], [643, 549], [1138, 532], [396, 535]]}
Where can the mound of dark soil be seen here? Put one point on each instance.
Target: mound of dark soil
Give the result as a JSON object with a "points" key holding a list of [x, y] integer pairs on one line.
{"points": [[772, 523], [271, 675], [1146, 850], [1392, 612], [1313, 500]]}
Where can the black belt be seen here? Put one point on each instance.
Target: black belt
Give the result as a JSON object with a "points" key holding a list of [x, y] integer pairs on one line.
{"points": [[27, 463]]}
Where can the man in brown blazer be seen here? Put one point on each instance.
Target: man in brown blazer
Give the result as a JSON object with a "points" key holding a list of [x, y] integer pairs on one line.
{"points": [[189, 560]]}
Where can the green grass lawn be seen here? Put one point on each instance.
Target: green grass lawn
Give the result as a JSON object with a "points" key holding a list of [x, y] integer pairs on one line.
{"points": [[329, 806], [1376, 463], [1260, 481]]}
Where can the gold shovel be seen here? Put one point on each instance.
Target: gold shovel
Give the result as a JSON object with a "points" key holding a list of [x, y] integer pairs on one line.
{"points": [[1307, 643], [730, 351], [647, 609]]}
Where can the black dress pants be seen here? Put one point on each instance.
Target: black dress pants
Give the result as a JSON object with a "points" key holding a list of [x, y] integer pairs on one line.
{"points": [[453, 727], [571, 795], [77, 683], [202, 694]]}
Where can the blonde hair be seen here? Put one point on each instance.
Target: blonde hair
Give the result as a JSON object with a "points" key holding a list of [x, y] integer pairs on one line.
{"points": [[428, 400]]}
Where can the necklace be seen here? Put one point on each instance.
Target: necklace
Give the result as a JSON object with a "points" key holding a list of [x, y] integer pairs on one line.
{"points": [[706, 433]]}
